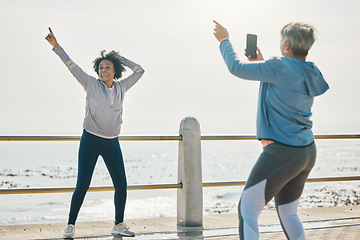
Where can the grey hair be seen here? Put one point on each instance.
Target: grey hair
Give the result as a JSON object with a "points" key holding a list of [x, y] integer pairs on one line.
{"points": [[301, 37]]}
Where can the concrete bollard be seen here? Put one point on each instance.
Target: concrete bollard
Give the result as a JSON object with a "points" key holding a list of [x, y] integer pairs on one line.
{"points": [[190, 197]]}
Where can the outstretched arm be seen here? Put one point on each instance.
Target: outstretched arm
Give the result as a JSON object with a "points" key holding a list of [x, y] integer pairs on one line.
{"points": [[222, 34], [82, 77], [51, 38]]}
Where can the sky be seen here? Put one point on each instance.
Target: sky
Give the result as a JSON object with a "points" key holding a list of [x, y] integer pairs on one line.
{"points": [[185, 74]]}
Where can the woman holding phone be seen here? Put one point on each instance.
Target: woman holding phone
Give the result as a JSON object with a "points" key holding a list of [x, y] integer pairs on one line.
{"points": [[288, 85], [103, 118]]}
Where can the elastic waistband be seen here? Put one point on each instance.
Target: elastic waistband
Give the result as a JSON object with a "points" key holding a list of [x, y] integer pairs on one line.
{"points": [[99, 136]]}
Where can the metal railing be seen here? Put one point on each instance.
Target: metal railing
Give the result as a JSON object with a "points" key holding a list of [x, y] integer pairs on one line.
{"points": [[190, 185], [91, 189], [77, 138], [160, 186], [163, 138], [253, 137]]}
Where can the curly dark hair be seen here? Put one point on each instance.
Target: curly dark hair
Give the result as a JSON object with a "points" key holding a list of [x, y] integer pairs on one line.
{"points": [[115, 58]]}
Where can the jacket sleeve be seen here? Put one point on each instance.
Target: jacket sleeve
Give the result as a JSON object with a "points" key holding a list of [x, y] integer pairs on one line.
{"points": [[260, 70], [82, 77], [138, 71]]}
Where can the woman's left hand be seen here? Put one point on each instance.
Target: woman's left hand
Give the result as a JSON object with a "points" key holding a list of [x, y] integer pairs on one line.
{"points": [[51, 38], [259, 56], [220, 32]]}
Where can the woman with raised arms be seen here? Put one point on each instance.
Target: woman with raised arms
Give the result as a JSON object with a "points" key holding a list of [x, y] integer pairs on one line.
{"points": [[103, 118]]}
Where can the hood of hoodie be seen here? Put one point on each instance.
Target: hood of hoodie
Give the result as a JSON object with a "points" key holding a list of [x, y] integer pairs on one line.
{"points": [[314, 80]]}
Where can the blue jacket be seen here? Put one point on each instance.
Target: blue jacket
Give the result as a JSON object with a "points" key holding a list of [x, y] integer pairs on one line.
{"points": [[287, 90]]}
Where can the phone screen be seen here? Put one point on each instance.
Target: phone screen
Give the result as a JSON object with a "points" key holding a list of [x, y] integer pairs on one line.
{"points": [[251, 41]]}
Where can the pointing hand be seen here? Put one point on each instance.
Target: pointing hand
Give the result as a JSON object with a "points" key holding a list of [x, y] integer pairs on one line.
{"points": [[51, 39]]}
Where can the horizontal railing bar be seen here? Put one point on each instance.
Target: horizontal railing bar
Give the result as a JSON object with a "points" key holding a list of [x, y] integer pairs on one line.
{"points": [[224, 184], [158, 186], [150, 138], [91, 189], [310, 180], [39, 138], [162, 138], [253, 137], [339, 136], [334, 179], [77, 138], [229, 137]]}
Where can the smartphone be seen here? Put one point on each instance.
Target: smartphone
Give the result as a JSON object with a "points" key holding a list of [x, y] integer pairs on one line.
{"points": [[251, 41]]}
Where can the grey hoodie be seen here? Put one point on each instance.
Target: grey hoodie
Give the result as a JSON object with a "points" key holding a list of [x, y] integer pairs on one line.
{"points": [[101, 117]]}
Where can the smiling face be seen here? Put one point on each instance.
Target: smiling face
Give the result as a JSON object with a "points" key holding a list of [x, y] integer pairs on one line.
{"points": [[106, 72]]}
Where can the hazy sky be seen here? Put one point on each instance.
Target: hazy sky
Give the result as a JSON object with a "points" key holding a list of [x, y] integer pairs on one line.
{"points": [[185, 73]]}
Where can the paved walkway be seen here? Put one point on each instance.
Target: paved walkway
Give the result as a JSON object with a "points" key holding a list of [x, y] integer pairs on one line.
{"points": [[319, 223]]}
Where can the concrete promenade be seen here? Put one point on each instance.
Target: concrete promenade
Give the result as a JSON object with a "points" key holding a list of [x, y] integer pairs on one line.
{"points": [[319, 223]]}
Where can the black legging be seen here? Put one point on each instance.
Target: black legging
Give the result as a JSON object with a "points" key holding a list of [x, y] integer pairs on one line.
{"points": [[280, 172], [91, 147]]}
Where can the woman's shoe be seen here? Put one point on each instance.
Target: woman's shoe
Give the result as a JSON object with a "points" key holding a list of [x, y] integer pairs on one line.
{"points": [[123, 230], [69, 231]]}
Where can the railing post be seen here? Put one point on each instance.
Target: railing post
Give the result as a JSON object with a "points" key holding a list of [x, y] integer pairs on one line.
{"points": [[190, 196]]}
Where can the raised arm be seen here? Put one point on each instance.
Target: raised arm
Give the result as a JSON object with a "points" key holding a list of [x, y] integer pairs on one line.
{"points": [[82, 77], [138, 71], [249, 71]]}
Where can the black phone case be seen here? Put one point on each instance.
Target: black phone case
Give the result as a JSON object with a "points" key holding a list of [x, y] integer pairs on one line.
{"points": [[251, 42]]}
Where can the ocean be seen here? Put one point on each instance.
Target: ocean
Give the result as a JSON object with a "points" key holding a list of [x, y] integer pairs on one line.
{"points": [[54, 164]]}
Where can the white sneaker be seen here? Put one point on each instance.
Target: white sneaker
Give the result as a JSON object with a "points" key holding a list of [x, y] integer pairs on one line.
{"points": [[69, 231], [123, 230]]}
